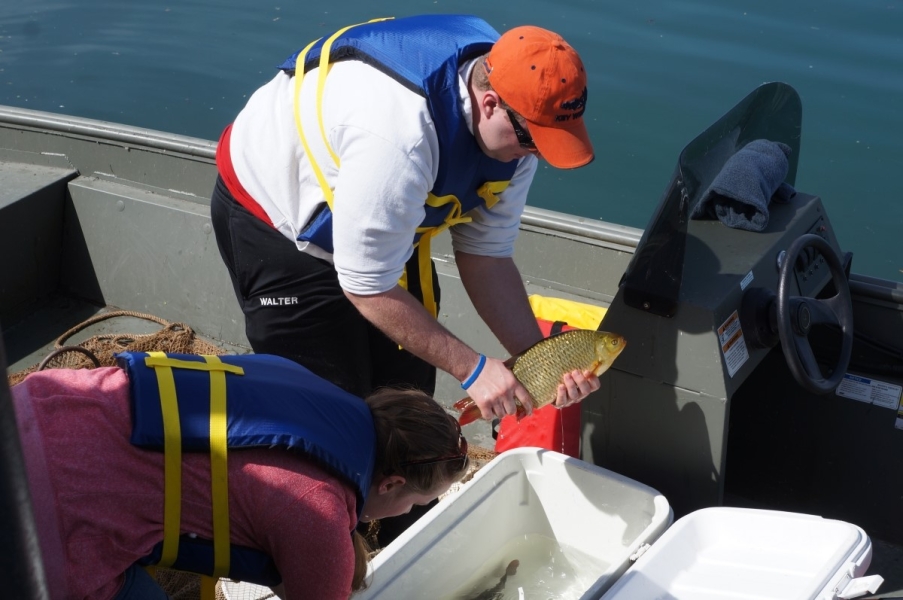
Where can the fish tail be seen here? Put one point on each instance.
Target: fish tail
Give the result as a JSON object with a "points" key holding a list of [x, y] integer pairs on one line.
{"points": [[463, 403], [470, 412]]}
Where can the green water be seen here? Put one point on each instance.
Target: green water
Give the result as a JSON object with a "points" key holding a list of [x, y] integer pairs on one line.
{"points": [[660, 72]]}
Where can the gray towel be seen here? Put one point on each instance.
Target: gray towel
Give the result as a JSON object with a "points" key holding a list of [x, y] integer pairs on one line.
{"points": [[748, 181]]}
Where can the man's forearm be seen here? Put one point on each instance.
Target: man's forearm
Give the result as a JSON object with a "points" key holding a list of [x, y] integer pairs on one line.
{"points": [[398, 314], [497, 291], [495, 390]]}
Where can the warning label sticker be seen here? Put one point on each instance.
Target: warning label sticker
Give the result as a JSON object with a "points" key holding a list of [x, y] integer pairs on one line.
{"points": [[870, 391], [746, 281], [733, 345]]}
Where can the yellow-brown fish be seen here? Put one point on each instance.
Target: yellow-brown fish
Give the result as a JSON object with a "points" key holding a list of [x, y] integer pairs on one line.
{"points": [[497, 592], [541, 367]]}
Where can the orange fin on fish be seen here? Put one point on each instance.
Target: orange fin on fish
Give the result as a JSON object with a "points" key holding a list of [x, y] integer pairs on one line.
{"points": [[469, 413], [463, 403]]}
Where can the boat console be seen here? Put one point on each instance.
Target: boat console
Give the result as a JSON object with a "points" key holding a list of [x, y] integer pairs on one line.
{"points": [[733, 387]]}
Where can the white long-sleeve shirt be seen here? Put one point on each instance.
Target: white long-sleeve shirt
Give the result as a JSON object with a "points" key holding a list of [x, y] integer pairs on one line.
{"points": [[386, 141]]}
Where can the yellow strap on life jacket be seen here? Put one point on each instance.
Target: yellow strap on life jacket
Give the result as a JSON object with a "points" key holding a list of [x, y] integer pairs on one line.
{"points": [[422, 247], [208, 587], [488, 192], [172, 455], [299, 75], [321, 86], [172, 464], [453, 217], [425, 267], [219, 472]]}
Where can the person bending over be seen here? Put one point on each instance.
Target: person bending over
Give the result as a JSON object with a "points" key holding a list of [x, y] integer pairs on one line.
{"points": [[338, 172], [249, 467]]}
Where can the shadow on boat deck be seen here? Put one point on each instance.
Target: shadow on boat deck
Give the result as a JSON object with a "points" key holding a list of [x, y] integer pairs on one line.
{"points": [[887, 561]]}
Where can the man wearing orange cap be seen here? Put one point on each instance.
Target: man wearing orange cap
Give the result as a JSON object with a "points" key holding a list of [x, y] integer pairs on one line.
{"points": [[332, 184]]}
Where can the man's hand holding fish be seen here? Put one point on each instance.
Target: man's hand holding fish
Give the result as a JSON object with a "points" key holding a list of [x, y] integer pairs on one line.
{"points": [[563, 369], [575, 386], [495, 392]]}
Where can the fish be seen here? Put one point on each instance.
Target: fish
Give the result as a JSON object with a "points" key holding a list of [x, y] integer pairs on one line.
{"points": [[496, 591], [541, 367]]}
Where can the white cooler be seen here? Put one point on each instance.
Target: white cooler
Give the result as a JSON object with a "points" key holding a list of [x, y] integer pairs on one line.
{"points": [[722, 553], [617, 529], [521, 495]]}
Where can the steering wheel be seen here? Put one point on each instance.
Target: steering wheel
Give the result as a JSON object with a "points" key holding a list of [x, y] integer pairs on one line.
{"points": [[797, 314]]}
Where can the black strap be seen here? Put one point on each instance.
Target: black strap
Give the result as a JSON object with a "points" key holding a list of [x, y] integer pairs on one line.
{"points": [[557, 327]]}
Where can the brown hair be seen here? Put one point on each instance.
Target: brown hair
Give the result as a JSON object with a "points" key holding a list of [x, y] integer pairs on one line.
{"points": [[479, 76], [411, 427], [480, 79]]}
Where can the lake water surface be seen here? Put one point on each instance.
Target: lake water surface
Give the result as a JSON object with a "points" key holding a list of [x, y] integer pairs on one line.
{"points": [[660, 72]]}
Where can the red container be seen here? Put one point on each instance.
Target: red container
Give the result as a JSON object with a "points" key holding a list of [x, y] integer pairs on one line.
{"points": [[548, 427]]}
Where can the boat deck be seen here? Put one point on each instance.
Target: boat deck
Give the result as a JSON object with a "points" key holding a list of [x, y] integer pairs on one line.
{"points": [[34, 336]]}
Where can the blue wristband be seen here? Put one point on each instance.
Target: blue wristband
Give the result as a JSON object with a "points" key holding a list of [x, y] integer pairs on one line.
{"points": [[476, 373]]}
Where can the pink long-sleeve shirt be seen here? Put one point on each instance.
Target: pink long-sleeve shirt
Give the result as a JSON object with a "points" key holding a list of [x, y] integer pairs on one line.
{"points": [[99, 500]]}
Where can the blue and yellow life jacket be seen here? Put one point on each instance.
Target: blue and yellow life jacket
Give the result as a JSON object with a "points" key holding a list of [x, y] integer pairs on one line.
{"points": [[187, 403], [423, 53]]}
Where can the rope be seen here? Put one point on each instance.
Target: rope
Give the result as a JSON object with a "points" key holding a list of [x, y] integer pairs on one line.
{"points": [[100, 350], [60, 341]]}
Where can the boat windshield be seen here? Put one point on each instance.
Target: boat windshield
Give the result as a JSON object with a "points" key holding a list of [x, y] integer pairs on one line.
{"points": [[652, 280]]}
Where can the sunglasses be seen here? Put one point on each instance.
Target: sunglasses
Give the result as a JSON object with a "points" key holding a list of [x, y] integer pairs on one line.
{"points": [[523, 136], [461, 455]]}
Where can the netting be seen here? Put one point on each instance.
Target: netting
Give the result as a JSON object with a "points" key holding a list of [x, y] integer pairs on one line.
{"points": [[172, 337], [237, 590]]}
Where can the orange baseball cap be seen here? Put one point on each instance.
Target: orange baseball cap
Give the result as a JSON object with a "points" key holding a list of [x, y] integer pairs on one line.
{"points": [[541, 77]]}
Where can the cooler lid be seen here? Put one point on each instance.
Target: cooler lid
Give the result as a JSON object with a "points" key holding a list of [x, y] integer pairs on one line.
{"points": [[725, 552]]}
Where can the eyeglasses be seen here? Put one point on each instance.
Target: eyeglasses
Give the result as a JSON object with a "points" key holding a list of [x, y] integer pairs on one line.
{"points": [[523, 136], [461, 455]]}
